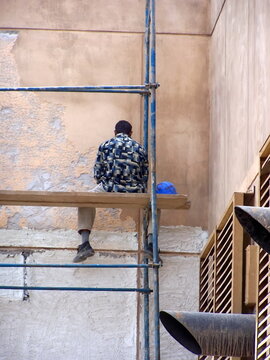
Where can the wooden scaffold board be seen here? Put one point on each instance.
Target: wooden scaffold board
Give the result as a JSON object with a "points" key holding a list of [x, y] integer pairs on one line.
{"points": [[89, 199]]}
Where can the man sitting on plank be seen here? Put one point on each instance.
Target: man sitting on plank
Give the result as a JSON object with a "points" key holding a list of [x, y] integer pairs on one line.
{"points": [[121, 166]]}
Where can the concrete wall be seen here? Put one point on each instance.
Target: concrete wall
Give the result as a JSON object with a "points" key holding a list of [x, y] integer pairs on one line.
{"points": [[49, 142], [95, 325], [239, 97]]}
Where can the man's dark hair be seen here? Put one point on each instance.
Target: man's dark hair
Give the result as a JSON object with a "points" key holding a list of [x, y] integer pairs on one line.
{"points": [[123, 126]]}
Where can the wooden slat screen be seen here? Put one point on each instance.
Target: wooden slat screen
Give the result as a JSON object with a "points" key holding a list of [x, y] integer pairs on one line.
{"points": [[207, 278], [264, 182], [263, 312], [213, 358], [263, 304], [224, 261], [221, 268]]}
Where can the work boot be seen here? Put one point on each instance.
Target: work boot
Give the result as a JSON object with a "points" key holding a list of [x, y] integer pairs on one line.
{"points": [[84, 251]]}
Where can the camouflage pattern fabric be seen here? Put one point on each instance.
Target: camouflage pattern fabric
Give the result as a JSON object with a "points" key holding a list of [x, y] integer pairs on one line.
{"points": [[121, 165]]}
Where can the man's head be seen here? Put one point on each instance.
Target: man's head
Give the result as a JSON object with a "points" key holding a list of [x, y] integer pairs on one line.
{"points": [[123, 126]]}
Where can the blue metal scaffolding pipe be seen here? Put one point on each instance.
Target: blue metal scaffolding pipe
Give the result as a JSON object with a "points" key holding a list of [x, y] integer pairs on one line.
{"points": [[146, 296], [53, 288], [76, 265], [146, 75], [153, 181], [149, 88], [129, 89], [153, 136], [88, 87], [145, 217]]}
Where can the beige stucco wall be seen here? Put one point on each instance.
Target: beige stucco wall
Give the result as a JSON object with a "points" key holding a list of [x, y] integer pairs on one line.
{"points": [[215, 9], [182, 127], [172, 16], [50, 140], [239, 97]]}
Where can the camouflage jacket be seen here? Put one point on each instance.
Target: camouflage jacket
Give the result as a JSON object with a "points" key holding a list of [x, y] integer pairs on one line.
{"points": [[121, 165]]}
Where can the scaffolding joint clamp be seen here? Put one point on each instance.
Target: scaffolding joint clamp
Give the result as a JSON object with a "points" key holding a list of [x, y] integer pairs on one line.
{"points": [[152, 85], [146, 92]]}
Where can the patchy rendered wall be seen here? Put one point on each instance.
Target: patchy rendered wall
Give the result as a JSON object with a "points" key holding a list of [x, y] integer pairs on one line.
{"points": [[71, 325], [68, 325], [49, 142], [239, 82]]}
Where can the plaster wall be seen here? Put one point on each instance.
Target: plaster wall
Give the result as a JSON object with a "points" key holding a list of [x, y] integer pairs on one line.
{"points": [[172, 16], [95, 325], [239, 93], [215, 9], [49, 142]]}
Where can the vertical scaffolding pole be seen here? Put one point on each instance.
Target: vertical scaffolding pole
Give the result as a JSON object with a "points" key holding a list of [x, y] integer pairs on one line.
{"points": [[149, 83], [145, 215], [153, 182], [146, 72]]}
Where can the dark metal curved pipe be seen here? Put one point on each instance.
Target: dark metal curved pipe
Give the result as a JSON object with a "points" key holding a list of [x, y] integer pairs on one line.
{"points": [[256, 222], [212, 334]]}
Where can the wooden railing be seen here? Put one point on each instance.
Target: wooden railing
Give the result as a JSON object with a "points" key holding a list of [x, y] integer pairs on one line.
{"points": [[222, 276], [221, 267], [263, 303]]}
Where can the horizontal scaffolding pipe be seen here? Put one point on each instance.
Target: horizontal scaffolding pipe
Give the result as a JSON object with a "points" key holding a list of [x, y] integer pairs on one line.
{"points": [[53, 288], [78, 265], [133, 89]]}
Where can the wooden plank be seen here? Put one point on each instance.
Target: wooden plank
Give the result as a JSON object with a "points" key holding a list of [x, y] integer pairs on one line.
{"points": [[265, 323], [265, 193], [251, 274], [223, 270], [208, 246], [225, 217], [265, 150], [262, 300], [88, 199], [266, 182], [237, 256], [224, 288], [265, 167], [224, 254], [225, 302]]}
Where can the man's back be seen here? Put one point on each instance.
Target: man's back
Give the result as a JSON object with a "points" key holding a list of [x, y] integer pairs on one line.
{"points": [[121, 165]]}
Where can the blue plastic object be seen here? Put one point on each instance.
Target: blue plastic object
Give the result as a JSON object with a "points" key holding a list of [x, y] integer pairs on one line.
{"points": [[166, 187]]}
